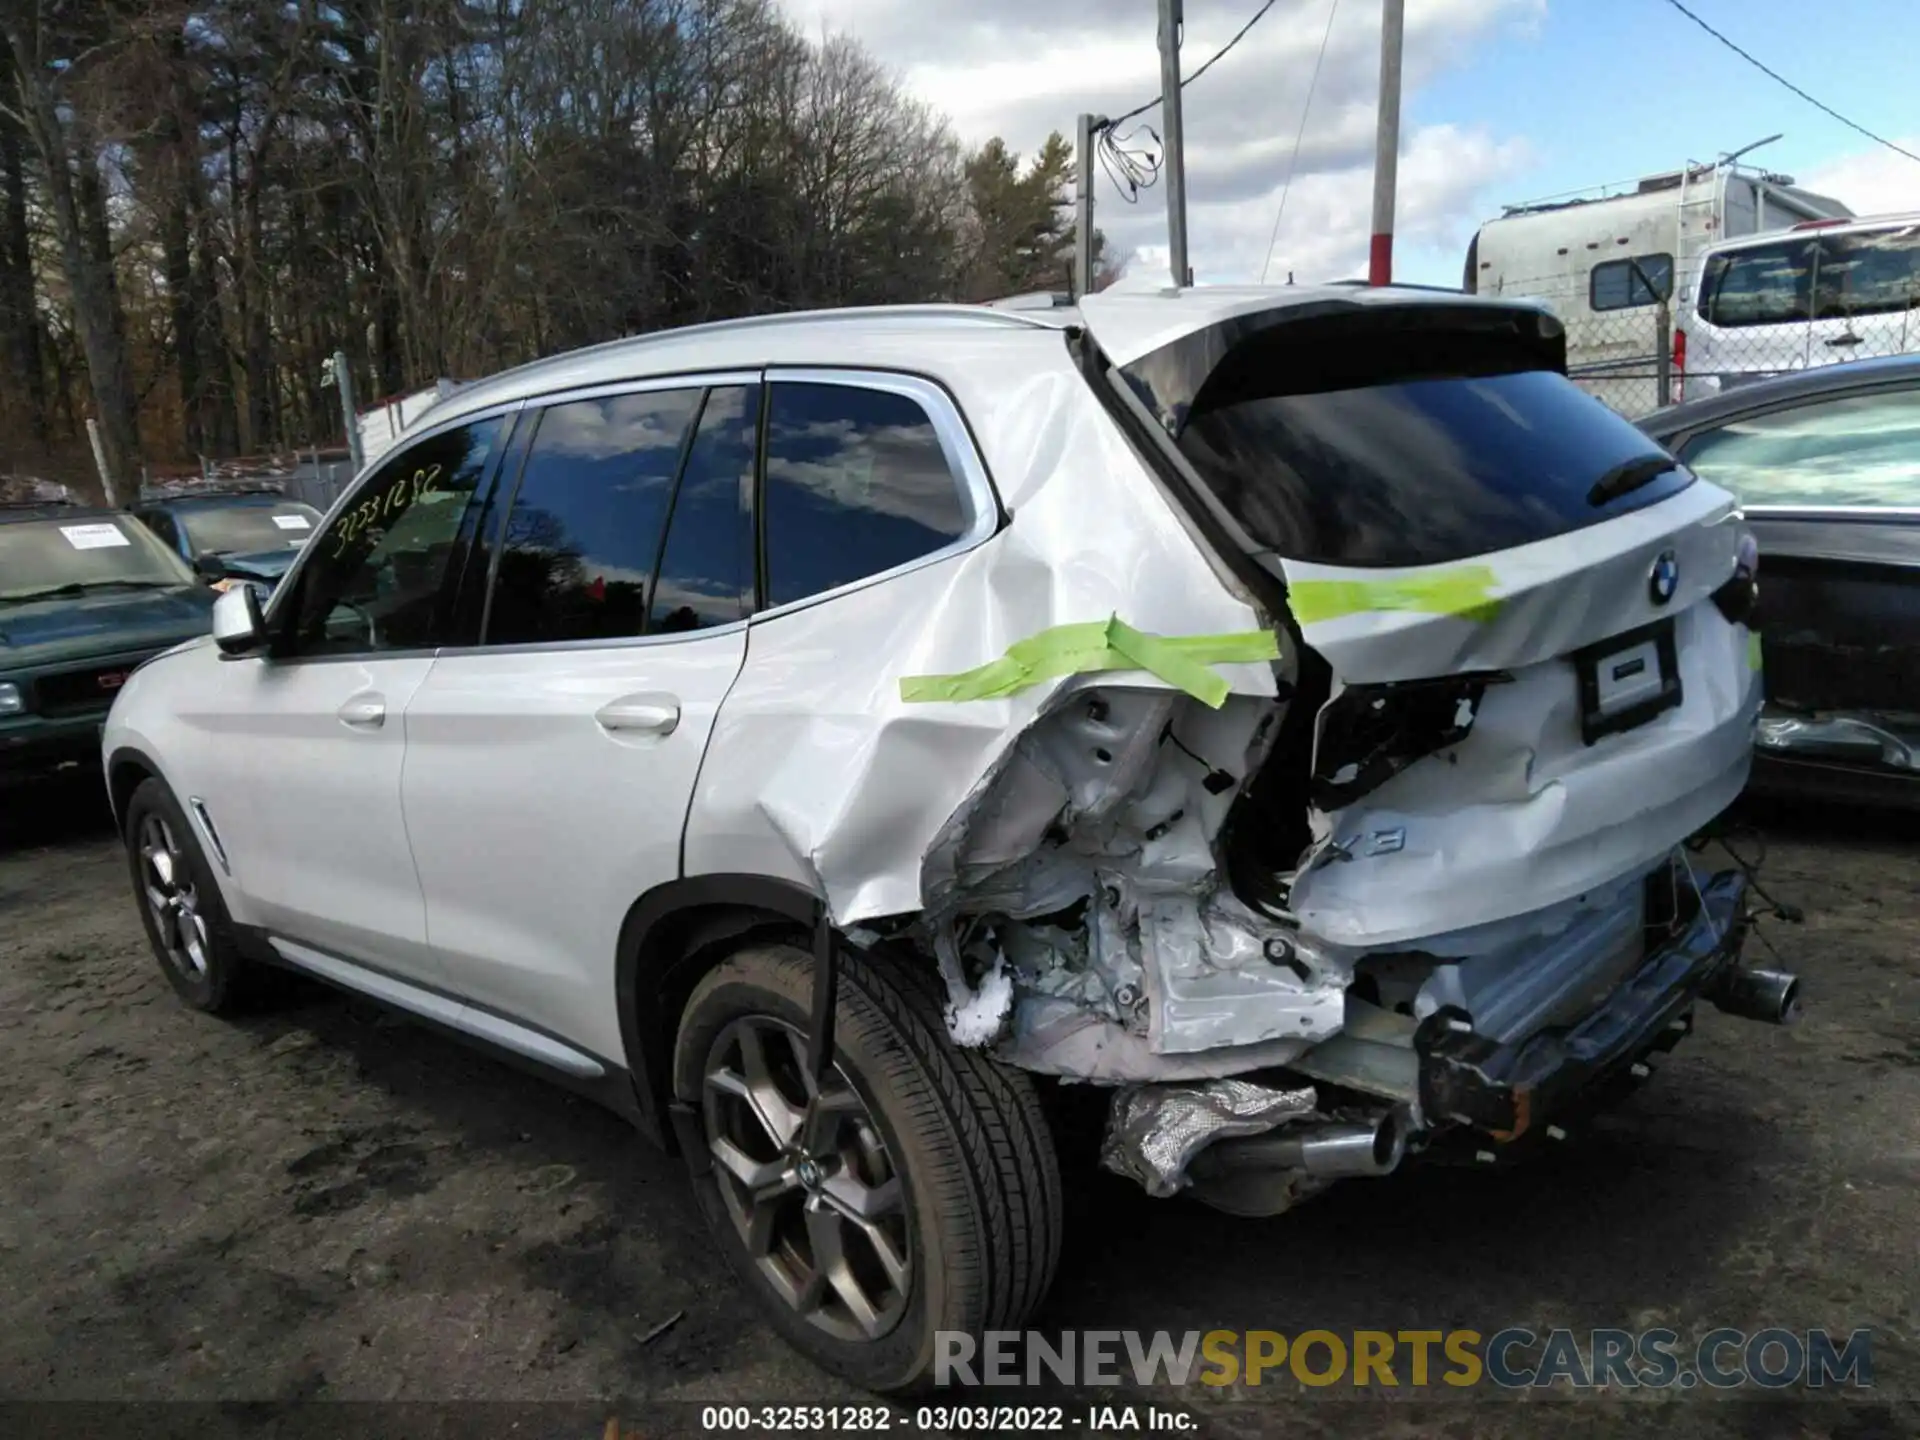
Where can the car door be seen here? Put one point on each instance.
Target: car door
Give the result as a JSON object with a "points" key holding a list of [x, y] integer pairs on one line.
{"points": [[550, 767], [315, 729], [1831, 486]]}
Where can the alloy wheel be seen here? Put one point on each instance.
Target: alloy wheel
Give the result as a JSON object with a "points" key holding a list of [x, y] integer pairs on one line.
{"points": [[807, 1180], [167, 879]]}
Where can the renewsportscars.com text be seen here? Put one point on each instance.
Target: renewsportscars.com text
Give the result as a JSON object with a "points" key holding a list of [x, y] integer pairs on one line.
{"points": [[1513, 1358]]}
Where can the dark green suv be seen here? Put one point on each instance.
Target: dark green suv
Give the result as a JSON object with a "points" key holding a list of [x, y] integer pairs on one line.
{"points": [[86, 594]]}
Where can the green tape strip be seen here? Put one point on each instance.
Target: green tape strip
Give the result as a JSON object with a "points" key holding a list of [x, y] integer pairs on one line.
{"points": [[1111, 644], [1464, 590], [1753, 650]]}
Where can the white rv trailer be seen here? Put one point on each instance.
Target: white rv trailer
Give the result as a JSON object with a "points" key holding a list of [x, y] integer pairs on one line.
{"points": [[1602, 260]]}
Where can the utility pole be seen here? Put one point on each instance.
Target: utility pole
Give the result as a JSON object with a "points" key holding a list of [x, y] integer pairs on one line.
{"points": [[1176, 165], [1386, 153], [1090, 125]]}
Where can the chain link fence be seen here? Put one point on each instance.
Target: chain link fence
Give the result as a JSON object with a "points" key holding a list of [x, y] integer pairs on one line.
{"points": [[1628, 357]]}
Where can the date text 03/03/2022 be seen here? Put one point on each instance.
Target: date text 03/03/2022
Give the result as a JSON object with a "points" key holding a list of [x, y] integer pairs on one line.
{"points": [[935, 1419]]}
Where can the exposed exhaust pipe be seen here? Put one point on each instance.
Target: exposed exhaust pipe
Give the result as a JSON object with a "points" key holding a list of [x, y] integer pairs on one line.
{"points": [[1772, 996], [1328, 1151]]}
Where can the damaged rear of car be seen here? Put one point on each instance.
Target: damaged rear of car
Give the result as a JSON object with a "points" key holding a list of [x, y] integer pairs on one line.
{"points": [[1433, 892]]}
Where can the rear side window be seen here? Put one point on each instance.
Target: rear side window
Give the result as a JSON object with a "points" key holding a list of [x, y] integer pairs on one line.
{"points": [[1758, 284], [1854, 450], [1623, 284], [1873, 273], [857, 483], [578, 550], [1421, 467]]}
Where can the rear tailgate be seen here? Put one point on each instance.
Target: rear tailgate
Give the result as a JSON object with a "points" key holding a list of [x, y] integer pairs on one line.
{"points": [[1532, 691]]}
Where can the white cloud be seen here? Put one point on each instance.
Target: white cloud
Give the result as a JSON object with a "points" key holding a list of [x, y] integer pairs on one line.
{"points": [[1871, 182], [1021, 68]]}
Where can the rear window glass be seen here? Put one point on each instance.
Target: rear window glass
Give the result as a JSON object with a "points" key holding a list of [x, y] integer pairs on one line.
{"points": [[1418, 471], [1623, 284]]}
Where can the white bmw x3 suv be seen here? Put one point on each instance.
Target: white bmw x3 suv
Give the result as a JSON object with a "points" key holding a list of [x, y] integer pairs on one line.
{"points": [[815, 736]]}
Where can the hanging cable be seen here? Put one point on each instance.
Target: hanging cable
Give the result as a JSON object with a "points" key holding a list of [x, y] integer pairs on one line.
{"points": [[1776, 75], [1131, 167], [1293, 160], [1212, 60]]}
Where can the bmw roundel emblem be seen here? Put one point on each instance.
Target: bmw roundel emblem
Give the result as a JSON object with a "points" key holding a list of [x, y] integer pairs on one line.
{"points": [[1665, 578]]}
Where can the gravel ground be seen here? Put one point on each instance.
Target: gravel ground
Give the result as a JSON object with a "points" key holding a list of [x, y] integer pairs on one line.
{"points": [[323, 1203]]}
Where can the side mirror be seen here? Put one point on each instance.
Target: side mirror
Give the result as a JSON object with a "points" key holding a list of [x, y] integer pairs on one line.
{"points": [[209, 567], [239, 625]]}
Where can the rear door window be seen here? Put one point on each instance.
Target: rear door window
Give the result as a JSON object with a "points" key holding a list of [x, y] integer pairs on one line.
{"points": [[583, 532], [1418, 467], [857, 483], [1758, 284], [1853, 451]]}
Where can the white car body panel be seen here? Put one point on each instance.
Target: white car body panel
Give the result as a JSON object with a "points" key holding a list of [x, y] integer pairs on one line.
{"points": [[306, 805], [535, 826], [818, 771]]}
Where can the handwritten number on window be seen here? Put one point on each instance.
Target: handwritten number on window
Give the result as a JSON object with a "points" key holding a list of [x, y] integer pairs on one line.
{"points": [[396, 501]]}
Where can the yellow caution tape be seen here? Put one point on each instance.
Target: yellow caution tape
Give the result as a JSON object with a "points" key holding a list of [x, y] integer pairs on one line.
{"points": [[1111, 644], [1464, 590]]}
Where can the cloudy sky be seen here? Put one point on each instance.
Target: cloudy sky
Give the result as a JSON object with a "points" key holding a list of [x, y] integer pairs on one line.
{"points": [[1505, 100]]}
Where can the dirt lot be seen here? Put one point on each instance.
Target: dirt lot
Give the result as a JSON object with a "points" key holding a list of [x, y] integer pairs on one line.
{"points": [[323, 1203]]}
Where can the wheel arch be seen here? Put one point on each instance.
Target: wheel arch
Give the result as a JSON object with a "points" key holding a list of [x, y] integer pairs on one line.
{"points": [[127, 767], [673, 935]]}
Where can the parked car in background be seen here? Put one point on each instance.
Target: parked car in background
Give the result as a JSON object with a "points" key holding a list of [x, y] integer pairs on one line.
{"points": [[1826, 465], [86, 595], [233, 533], [814, 735], [1826, 292]]}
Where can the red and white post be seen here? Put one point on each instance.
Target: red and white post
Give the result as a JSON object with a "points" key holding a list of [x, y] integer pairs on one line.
{"points": [[1386, 154]]}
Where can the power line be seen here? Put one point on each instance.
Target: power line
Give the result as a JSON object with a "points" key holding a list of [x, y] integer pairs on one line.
{"points": [[1187, 80], [1293, 160], [1776, 75]]}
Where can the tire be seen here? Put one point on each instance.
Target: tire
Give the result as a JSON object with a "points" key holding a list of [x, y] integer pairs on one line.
{"points": [[181, 906], [972, 1228]]}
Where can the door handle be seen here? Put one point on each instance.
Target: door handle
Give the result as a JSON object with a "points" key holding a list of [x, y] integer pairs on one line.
{"points": [[1845, 340], [367, 712], [647, 714]]}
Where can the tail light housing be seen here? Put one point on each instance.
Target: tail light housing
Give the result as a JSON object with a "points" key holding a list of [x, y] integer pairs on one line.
{"points": [[1679, 363]]}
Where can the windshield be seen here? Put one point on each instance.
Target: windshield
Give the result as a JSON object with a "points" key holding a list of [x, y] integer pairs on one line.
{"points": [[1411, 450], [94, 552], [248, 529]]}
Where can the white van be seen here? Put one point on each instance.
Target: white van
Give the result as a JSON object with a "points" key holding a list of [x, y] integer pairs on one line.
{"points": [[1823, 292]]}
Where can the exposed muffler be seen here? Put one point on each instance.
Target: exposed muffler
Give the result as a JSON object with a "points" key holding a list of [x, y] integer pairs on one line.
{"points": [[1328, 1152], [1772, 996]]}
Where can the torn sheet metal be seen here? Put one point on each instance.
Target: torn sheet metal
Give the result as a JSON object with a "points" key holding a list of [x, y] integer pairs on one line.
{"points": [[1522, 814], [818, 771], [1153, 1131]]}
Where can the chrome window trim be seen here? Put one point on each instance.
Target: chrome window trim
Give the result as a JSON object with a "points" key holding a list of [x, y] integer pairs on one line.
{"points": [[645, 385], [564, 647], [964, 464]]}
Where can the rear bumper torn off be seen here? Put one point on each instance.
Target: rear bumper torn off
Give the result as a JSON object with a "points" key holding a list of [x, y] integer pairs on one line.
{"points": [[1505, 1089]]}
